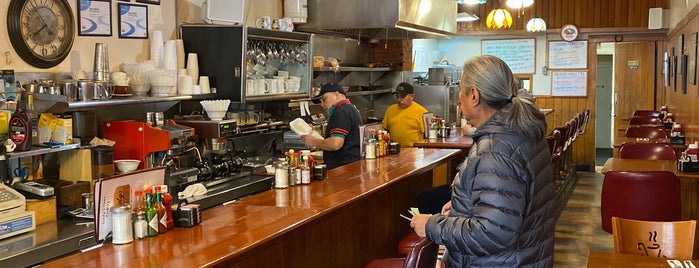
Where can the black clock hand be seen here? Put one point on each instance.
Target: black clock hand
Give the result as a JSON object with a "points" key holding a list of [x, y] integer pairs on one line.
{"points": [[38, 31], [36, 10]]}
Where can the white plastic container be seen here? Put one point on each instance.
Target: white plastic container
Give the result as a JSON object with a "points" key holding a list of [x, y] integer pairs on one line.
{"points": [[301, 128]]}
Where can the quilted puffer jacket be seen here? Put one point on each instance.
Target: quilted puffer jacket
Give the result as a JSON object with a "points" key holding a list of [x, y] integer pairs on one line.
{"points": [[502, 203]]}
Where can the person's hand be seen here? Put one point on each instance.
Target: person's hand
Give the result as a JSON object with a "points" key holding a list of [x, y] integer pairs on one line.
{"points": [[418, 224], [446, 208], [310, 140]]}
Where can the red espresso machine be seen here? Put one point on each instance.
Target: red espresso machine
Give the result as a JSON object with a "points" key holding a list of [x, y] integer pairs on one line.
{"points": [[141, 141]]}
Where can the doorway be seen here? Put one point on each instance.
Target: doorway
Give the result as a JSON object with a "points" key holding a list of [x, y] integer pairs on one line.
{"points": [[604, 122]]}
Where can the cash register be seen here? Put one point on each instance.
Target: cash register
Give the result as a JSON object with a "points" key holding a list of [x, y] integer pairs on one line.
{"points": [[14, 218]]}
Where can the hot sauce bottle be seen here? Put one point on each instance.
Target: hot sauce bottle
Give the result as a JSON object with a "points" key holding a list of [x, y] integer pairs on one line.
{"points": [[162, 214], [151, 214]]}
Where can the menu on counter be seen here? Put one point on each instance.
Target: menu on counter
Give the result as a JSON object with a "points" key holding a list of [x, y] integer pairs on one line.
{"points": [[118, 189]]}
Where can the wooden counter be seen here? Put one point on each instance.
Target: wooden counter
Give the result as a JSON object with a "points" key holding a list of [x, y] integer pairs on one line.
{"points": [[608, 259], [456, 140], [345, 220]]}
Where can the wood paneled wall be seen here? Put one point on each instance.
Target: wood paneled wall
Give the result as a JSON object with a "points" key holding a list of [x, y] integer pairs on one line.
{"points": [[556, 13], [685, 106]]}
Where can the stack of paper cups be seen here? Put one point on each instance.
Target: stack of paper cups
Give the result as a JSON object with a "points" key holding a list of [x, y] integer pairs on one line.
{"points": [[156, 47], [204, 85], [180, 53], [193, 67], [170, 55], [184, 85]]}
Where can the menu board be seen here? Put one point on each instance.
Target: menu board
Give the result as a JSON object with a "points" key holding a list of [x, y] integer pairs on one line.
{"points": [[570, 84], [567, 55], [519, 54]]}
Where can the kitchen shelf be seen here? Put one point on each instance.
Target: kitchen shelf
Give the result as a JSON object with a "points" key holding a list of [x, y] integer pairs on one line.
{"points": [[355, 69], [281, 96], [59, 103], [369, 92], [36, 150]]}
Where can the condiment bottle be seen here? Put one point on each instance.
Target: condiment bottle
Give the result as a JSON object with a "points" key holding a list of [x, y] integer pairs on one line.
{"points": [[137, 204], [305, 172], [370, 148], [121, 225], [162, 214], [676, 130], [20, 126], [167, 203], [693, 152], [151, 214], [140, 226], [281, 175]]}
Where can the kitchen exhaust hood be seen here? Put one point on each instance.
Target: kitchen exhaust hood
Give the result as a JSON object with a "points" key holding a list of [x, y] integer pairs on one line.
{"points": [[382, 19]]}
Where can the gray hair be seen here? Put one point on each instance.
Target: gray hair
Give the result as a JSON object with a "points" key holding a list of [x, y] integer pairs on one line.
{"points": [[498, 87]]}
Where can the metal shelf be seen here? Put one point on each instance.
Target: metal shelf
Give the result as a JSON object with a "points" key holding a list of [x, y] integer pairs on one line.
{"points": [[354, 69], [369, 92], [43, 150], [59, 103]]}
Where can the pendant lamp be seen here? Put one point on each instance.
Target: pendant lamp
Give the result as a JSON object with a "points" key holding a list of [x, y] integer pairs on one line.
{"points": [[535, 25], [499, 18]]}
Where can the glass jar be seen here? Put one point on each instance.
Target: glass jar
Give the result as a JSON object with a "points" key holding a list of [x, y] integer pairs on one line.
{"points": [[122, 232], [281, 175]]}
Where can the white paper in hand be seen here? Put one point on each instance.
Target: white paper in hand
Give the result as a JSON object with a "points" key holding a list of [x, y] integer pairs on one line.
{"points": [[300, 127]]}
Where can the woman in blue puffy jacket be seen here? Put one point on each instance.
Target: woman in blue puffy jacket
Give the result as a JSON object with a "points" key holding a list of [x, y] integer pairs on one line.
{"points": [[501, 209]]}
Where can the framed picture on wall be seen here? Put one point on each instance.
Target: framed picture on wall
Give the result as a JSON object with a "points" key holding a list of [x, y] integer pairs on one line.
{"points": [[152, 2], [692, 68], [133, 21], [680, 52], [94, 18]]}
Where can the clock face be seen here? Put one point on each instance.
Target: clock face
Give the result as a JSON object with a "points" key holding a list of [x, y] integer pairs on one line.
{"points": [[569, 32], [41, 31]]}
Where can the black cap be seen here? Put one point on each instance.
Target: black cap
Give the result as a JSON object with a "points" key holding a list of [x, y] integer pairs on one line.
{"points": [[329, 87], [404, 89]]}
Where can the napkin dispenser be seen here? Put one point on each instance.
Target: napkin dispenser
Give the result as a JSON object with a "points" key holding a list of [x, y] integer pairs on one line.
{"points": [[686, 166], [186, 215]]}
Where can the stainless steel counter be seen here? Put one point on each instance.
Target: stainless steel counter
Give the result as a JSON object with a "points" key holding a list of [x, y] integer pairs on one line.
{"points": [[49, 240]]}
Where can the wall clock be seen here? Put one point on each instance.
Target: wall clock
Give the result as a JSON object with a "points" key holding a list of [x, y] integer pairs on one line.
{"points": [[569, 32], [41, 32]]}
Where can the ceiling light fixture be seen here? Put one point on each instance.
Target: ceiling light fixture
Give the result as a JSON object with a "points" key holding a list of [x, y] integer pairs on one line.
{"points": [[466, 17], [499, 18], [536, 25], [471, 2], [519, 3]]}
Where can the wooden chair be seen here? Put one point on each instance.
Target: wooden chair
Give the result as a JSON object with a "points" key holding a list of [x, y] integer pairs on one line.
{"points": [[645, 132], [645, 121], [640, 195], [585, 117], [648, 113], [664, 239], [647, 150]]}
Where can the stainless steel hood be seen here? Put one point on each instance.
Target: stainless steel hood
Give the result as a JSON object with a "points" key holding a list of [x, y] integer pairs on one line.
{"points": [[392, 19]]}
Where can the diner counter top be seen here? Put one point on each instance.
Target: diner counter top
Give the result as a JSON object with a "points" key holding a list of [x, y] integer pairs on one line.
{"points": [[456, 140], [345, 220]]}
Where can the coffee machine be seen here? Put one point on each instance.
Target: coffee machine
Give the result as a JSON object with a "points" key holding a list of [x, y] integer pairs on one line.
{"points": [[221, 168]]}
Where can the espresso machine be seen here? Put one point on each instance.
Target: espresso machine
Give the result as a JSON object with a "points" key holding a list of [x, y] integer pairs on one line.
{"points": [[221, 168]]}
